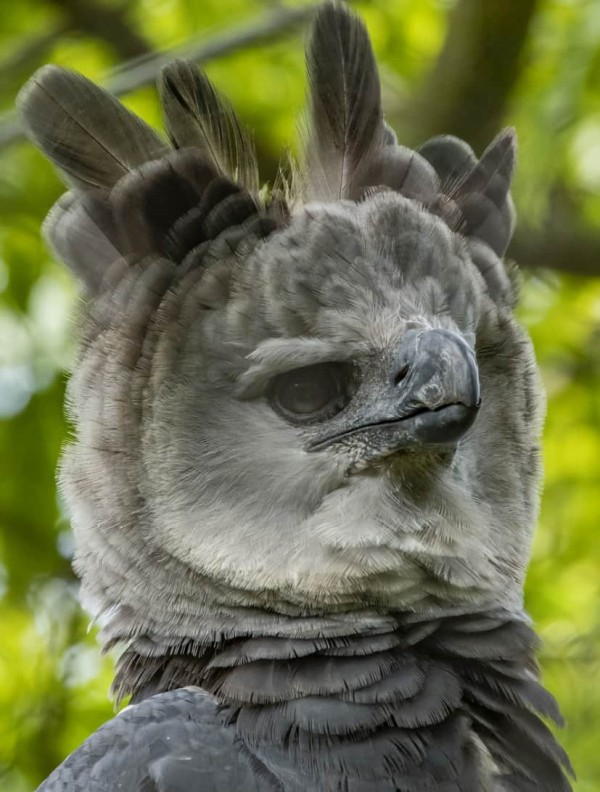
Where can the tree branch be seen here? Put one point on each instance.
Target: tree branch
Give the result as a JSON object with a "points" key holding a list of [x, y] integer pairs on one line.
{"points": [[108, 23], [569, 250], [143, 71], [468, 88], [33, 51]]}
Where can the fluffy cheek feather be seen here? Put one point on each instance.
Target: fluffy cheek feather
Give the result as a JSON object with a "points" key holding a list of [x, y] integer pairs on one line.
{"points": [[235, 497], [233, 488]]}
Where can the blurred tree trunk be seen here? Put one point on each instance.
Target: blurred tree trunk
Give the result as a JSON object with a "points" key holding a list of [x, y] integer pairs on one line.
{"points": [[467, 91], [107, 22]]}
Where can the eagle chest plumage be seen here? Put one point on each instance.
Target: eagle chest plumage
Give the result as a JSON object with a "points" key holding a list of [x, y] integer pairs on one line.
{"points": [[305, 471], [426, 705]]}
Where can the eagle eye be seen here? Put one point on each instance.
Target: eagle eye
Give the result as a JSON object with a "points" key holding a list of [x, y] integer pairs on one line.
{"points": [[310, 394]]}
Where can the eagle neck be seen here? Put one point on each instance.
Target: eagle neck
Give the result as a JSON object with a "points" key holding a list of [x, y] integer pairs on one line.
{"points": [[437, 699]]}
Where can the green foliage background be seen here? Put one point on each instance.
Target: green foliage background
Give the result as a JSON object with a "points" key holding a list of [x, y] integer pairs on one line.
{"points": [[53, 683]]}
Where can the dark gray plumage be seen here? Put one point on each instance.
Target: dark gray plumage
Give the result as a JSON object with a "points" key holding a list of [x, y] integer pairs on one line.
{"points": [[306, 468], [164, 733]]}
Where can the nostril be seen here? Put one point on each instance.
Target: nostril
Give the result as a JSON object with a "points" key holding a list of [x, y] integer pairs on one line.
{"points": [[401, 375]]}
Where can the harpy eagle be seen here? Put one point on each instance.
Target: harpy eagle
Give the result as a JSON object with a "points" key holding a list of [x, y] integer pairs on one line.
{"points": [[306, 466]]}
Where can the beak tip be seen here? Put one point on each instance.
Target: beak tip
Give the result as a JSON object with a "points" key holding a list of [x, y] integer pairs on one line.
{"points": [[445, 425]]}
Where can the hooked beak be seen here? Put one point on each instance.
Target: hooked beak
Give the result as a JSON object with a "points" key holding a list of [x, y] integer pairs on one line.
{"points": [[430, 400]]}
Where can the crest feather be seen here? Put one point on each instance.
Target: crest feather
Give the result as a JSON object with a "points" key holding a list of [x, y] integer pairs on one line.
{"points": [[83, 130], [198, 116], [346, 122]]}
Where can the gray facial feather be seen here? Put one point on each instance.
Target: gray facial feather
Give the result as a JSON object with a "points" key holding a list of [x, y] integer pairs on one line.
{"points": [[352, 599]]}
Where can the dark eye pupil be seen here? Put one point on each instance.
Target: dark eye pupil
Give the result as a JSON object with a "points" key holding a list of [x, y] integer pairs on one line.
{"points": [[306, 396], [310, 394]]}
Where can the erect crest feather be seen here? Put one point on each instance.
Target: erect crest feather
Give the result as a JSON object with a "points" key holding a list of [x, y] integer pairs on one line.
{"points": [[133, 196], [346, 122], [83, 130], [350, 149], [198, 116], [480, 189]]}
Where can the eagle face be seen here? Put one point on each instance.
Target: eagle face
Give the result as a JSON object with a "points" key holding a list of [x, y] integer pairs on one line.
{"points": [[319, 403], [353, 415]]}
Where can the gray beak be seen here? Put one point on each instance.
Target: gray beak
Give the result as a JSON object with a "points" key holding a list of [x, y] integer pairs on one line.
{"points": [[431, 398]]}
